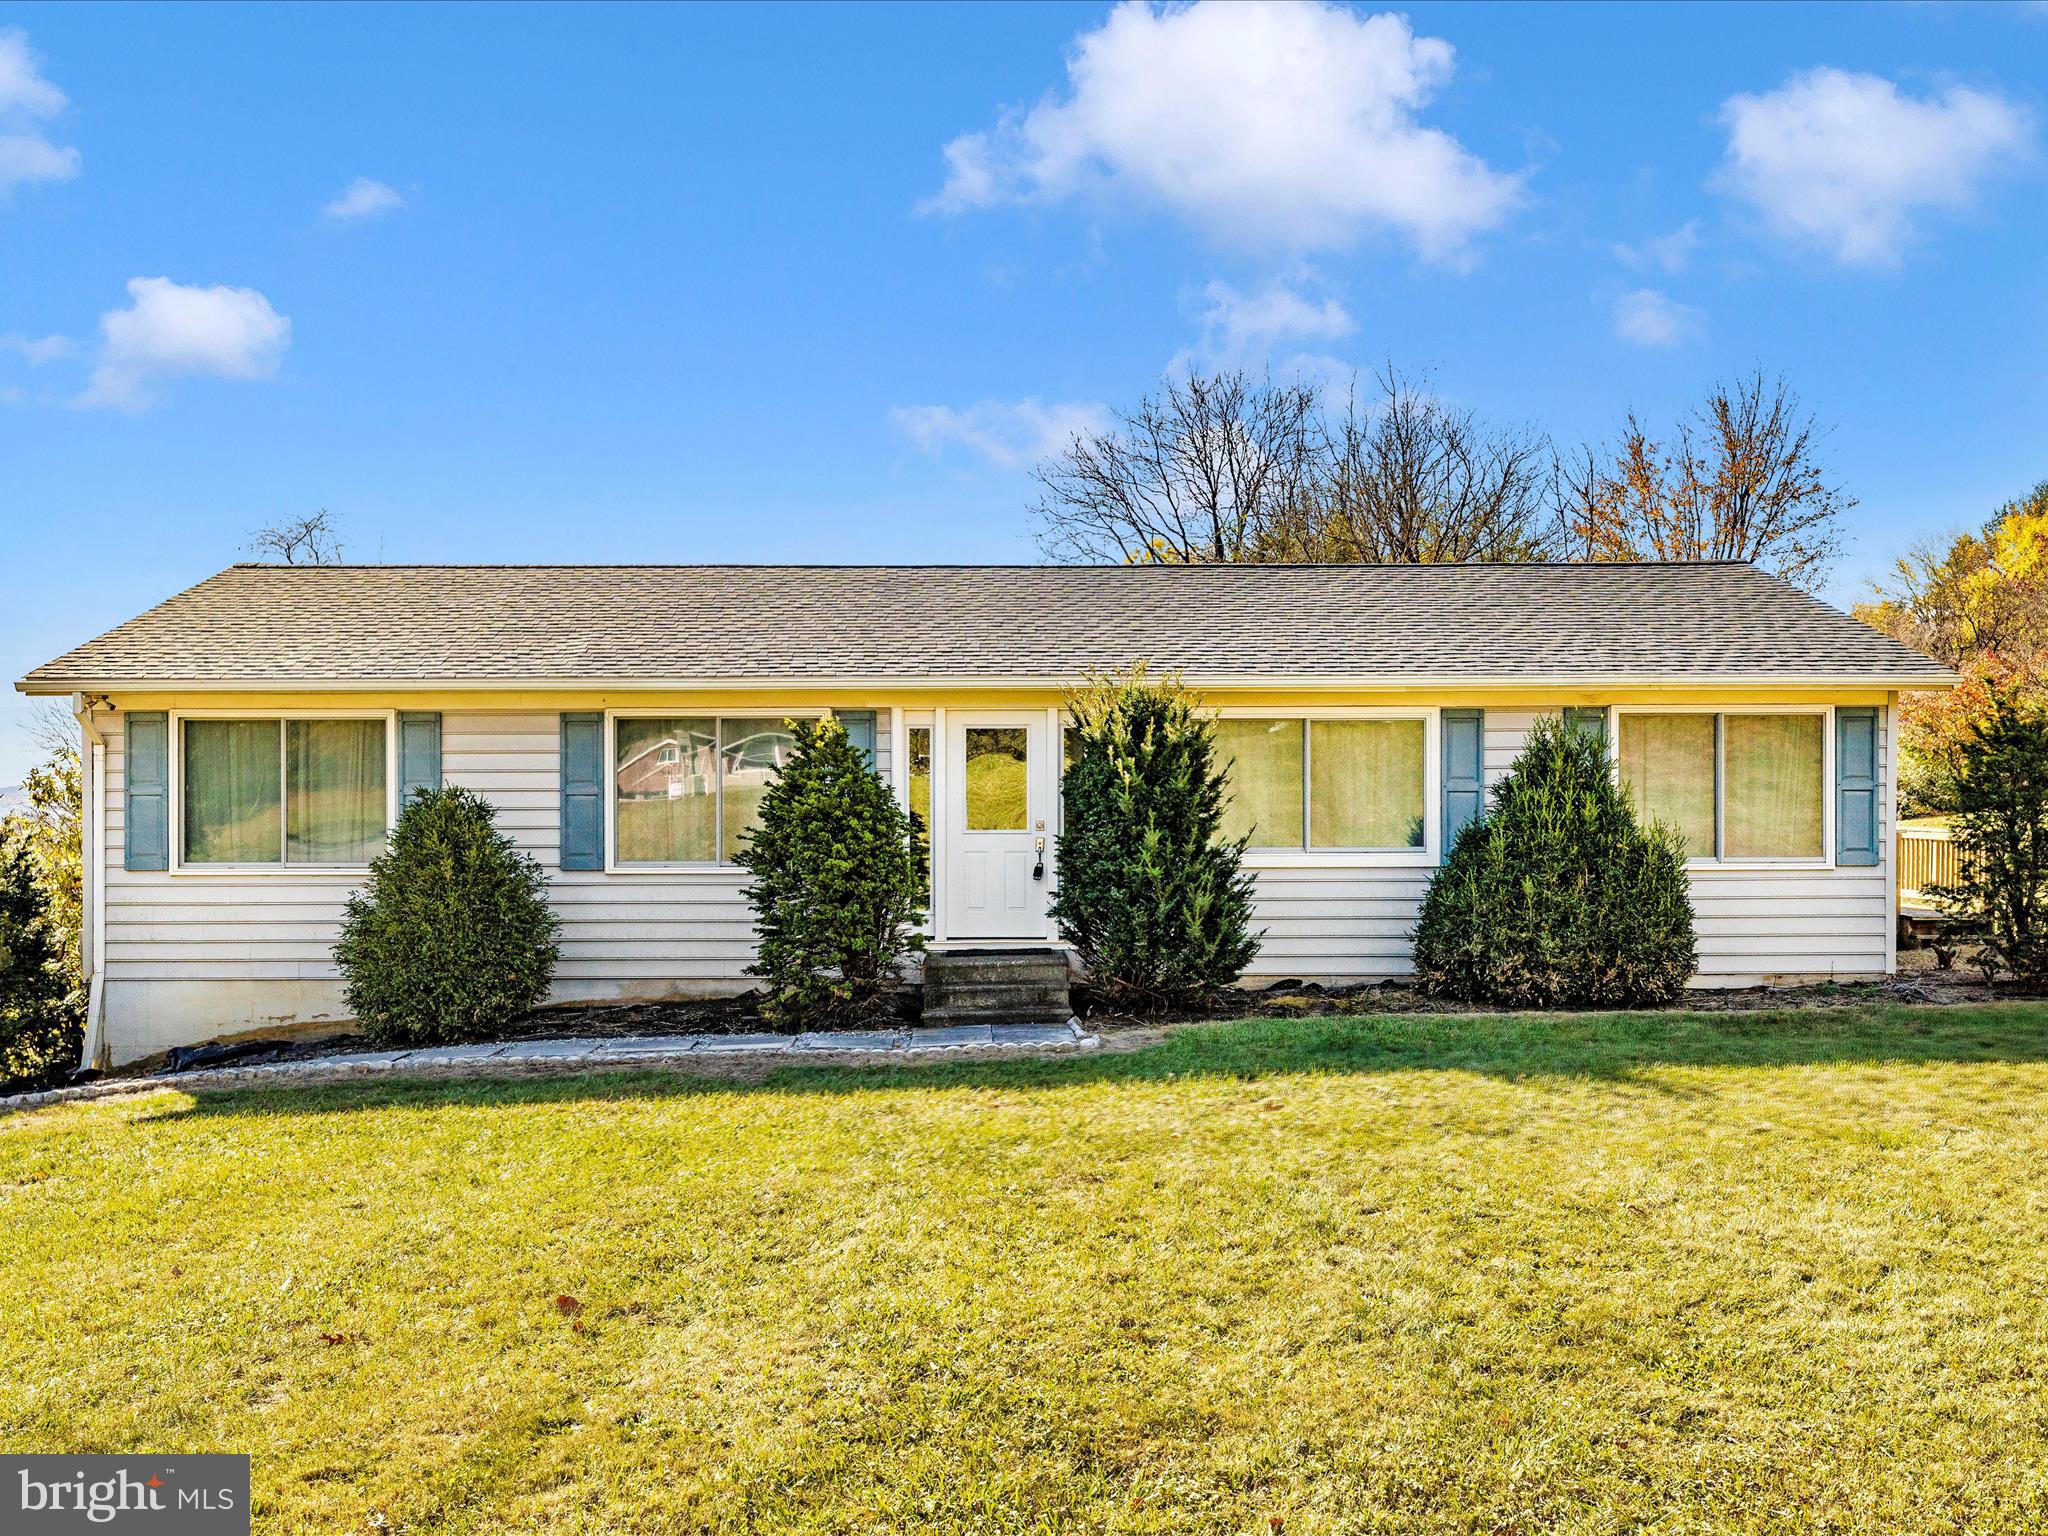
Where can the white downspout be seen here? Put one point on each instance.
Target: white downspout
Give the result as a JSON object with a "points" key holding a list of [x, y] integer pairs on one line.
{"points": [[92, 877]]}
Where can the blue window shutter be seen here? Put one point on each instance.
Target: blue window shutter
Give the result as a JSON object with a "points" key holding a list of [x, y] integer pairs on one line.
{"points": [[1856, 808], [1464, 770], [146, 787], [860, 730], [1593, 720], [419, 754], [582, 791]]}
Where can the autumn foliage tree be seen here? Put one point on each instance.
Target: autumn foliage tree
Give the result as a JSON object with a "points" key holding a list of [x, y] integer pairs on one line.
{"points": [[1977, 594], [1740, 479], [1977, 602]]}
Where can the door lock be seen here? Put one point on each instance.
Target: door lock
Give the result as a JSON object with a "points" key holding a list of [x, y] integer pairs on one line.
{"points": [[1038, 869]]}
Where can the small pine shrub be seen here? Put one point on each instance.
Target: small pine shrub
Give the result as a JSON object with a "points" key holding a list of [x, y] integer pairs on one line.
{"points": [[839, 887], [41, 1021], [1558, 895], [1151, 894], [451, 937], [1998, 783]]}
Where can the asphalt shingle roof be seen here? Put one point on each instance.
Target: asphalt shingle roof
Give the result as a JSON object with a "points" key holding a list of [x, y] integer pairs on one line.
{"points": [[1222, 624]]}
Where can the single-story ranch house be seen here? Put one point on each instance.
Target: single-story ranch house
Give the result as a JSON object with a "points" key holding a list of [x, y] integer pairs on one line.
{"points": [[249, 741]]}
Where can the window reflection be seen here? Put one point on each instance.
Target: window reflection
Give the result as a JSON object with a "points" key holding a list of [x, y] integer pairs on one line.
{"points": [[997, 775]]}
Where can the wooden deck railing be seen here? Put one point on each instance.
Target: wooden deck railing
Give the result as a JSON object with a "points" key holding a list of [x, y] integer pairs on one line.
{"points": [[1926, 857]]}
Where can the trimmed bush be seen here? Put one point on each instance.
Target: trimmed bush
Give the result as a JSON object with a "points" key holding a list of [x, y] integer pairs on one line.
{"points": [[1559, 896], [839, 887], [1151, 894], [452, 936], [41, 1022]]}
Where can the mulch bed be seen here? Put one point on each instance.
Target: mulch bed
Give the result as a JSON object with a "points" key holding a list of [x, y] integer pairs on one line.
{"points": [[1918, 981]]}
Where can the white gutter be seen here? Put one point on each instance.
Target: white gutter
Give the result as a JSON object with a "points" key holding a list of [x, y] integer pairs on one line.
{"points": [[92, 877]]}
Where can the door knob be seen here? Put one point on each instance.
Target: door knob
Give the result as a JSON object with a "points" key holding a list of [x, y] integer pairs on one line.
{"points": [[1038, 869]]}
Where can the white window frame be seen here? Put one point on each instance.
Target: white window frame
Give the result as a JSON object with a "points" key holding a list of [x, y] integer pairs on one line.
{"points": [[176, 832], [718, 716], [1357, 858], [1710, 863]]}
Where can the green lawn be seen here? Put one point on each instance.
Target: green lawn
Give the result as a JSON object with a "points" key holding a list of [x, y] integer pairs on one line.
{"points": [[1663, 1273]]}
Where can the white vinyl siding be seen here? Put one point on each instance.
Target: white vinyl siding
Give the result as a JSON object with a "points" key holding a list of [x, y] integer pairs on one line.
{"points": [[192, 955], [1333, 923], [175, 942], [1797, 922], [1753, 923]]}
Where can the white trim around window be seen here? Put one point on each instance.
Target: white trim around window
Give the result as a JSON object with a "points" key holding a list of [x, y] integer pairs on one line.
{"points": [[612, 863], [1710, 864], [1423, 857], [279, 870]]}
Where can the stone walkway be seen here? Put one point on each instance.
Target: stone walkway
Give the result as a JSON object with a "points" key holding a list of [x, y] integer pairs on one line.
{"points": [[504, 1057]]}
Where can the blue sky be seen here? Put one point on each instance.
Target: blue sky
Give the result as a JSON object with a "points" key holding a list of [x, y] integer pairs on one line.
{"points": [[819, 283]]}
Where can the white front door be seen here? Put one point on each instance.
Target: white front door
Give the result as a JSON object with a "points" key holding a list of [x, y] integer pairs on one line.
{"points": [[997, 845]]}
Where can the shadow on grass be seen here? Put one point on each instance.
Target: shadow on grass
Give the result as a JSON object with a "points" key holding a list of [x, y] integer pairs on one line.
{"points": [[1612, 1046]]}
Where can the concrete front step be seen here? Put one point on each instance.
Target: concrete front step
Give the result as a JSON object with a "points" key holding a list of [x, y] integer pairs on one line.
{"points": [[990, 985], [1030, 965], [995, 994]]}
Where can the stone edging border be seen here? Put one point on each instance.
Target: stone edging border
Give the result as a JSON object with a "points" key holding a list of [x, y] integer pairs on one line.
{"points": [[493, 1058]]}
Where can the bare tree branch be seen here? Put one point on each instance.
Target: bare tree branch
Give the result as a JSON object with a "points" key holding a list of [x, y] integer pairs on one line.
{"points": [[310, 540], [1227, 468], [53, 728], [1415, 481], [1191, 475]]}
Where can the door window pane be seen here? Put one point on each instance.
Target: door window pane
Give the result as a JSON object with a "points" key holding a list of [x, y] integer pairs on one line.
{"points": [[1668, 763], [334, 791], [998, 772], [1772, 794], [753, 753], [921, 775], [233, 808], [666, 781], [1265, 780], [1365, 783]]}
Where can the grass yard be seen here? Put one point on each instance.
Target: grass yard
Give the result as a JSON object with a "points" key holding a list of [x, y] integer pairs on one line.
{"points": [[1730, 1272]]}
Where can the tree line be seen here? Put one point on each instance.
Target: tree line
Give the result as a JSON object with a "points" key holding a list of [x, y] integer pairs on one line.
{"points": [[1229, 466]]}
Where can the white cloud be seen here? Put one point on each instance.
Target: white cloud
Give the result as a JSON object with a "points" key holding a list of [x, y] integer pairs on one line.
{"points": [[26, 98], [1670, 253], [1264, 329], [1844, 161], [1652, 319], [1237, 324], [1294, 125], [170, 330], [36, 350], [364, 199], [22, 86], [1009, 435]]}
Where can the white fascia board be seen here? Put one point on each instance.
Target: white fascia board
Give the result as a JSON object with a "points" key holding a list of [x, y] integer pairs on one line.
{"points": [[1411, 682]]}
